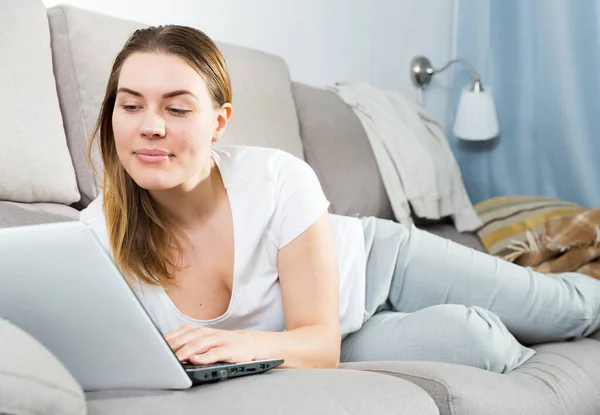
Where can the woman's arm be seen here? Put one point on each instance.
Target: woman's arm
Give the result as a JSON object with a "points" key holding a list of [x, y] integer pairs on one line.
{"points": [[308, 275]]}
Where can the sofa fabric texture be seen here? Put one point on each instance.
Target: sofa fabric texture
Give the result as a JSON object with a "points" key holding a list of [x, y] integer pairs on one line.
{"points": [[289, 392]]}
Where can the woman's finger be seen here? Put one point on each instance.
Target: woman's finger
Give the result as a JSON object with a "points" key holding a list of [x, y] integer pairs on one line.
{"points": [[214, 355], [191, 336], [197, 346], [181, 330], [188, 336]]}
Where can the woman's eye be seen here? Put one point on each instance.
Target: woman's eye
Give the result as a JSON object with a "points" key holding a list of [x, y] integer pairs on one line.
{"points": [[177, 111], [130, 107]]}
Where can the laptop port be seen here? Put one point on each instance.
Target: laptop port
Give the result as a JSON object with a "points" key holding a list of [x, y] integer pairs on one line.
{"points": [[251, 369], [262, 366], [214, 373], [240, 369]]}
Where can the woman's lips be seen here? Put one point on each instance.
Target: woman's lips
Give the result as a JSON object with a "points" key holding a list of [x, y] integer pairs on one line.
{"points": [[145, 158], [152, 156]]}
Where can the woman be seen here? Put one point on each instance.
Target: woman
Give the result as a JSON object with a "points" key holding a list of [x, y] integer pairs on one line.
{"points": [[232, 251]]}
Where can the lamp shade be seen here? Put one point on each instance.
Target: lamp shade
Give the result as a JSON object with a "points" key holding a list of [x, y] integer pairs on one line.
{"points": [[476, 117]]}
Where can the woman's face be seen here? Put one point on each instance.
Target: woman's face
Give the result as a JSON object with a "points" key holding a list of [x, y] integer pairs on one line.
{"points": [[164, 121]]}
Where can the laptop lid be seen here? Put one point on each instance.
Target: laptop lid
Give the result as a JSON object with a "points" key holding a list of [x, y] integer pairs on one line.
{"points": [[60, 285]]}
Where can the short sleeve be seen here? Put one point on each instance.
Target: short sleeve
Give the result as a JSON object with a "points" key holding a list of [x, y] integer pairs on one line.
{"points": [[300, 200]]}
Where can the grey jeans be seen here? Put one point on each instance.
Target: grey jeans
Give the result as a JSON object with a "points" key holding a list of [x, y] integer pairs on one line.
{"points": [[430, 299]]}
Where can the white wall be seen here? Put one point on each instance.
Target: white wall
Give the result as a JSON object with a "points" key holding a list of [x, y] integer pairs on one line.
{"points": [[323, 41]]}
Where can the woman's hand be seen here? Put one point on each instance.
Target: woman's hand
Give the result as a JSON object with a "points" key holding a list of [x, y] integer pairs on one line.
{"points": [[203, 346]]}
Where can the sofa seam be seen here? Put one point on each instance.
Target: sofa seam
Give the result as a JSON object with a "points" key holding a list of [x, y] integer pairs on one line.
{"points": [[41, 382], [77, 87], [444, 385]]}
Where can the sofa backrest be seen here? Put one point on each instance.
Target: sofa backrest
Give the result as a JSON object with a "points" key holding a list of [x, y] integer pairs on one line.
{"points": [[84, 44]]}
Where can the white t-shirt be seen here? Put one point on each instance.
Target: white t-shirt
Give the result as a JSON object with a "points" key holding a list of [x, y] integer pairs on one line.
{"points": [[274, 197]]}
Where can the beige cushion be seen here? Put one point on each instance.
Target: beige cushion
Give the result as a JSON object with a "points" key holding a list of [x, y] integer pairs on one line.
{"points": [[35, 165], [32, 380], [19, 214], [562, 378], [289, 392], [84, 45]]}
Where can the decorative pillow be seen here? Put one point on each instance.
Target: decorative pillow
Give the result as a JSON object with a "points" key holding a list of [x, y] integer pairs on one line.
{"points": [[35, 163], [508, 219], [32, 380]]}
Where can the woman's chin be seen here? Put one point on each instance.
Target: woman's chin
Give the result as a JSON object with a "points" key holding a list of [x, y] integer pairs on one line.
{"points": [[153, 184]]}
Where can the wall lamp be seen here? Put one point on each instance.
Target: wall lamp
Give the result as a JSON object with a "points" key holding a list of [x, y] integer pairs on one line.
{"points": [[476, 117]]}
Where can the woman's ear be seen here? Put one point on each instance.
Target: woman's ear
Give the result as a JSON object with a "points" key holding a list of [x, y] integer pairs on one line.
{"points": [[223, 116]]}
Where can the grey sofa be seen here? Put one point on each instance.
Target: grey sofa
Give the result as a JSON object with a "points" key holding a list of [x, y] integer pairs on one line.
{"points": [[53, 69]]}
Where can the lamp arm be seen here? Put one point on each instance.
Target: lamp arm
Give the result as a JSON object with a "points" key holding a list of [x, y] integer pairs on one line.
{"points": [[470, 68]]}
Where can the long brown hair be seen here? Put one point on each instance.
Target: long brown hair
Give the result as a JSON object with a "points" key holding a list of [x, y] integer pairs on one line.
{"points": [[143, 241]]}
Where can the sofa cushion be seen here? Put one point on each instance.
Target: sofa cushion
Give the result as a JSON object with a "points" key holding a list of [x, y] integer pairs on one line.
{"points": [[19, 214], [84, 44], [290, 392], [562, 378], [337, 148], [32, 380], [35, 165]]}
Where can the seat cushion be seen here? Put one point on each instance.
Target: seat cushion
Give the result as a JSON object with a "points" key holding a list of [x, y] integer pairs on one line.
{"points": [[337, 148], [32, 380], [19, 214], [84, 44], [35, 164], [562, 378], [290, 392]]}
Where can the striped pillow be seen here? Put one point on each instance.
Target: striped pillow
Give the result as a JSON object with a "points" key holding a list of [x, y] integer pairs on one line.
{"points": [[508, 219]]}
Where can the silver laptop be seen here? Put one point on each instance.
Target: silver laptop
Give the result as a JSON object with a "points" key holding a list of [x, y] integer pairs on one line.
{"points": [[59, 284]]}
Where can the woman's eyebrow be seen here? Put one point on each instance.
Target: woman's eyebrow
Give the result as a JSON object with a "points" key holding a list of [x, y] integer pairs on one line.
{"points": [[166, 95]]}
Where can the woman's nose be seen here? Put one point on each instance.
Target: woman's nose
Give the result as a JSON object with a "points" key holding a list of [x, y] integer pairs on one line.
{"points": [[153, 127]]}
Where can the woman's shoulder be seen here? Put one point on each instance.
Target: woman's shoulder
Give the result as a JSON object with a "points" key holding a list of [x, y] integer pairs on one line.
{"points": [[252, 154], [252, 163]]}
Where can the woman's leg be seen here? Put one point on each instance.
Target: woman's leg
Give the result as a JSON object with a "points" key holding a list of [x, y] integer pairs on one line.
{"points": [[410, 269], [444, 333]]}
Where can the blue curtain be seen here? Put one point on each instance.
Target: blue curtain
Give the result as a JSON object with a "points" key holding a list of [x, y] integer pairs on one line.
{"points": [[542, 61]]}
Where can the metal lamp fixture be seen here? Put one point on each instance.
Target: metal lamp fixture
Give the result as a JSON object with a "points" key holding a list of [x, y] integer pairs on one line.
{"points": [[476, 117]]}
